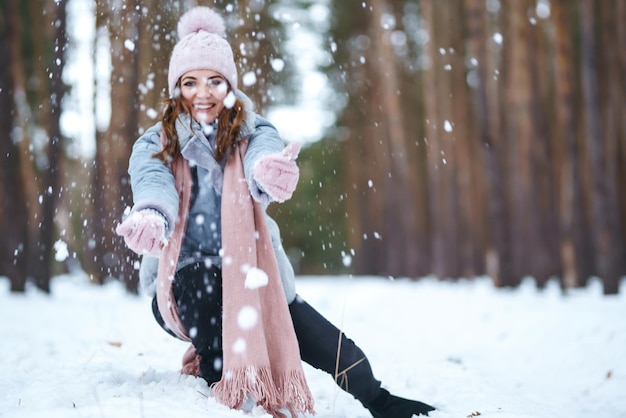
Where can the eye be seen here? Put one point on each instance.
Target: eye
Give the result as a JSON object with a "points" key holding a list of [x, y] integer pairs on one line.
{"points": [[216, 82], [189, 83]]}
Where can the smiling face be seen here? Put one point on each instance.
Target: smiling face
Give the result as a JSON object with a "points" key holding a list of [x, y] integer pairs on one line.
{"points": [[204, 92]]}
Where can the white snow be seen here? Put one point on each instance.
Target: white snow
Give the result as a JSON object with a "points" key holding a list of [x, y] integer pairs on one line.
{"points": [[255, 278], [129, 44], [247, 318], [465, 347], [249, 79], [277, 64], [229, 100], [239, 346], [60, 250]]}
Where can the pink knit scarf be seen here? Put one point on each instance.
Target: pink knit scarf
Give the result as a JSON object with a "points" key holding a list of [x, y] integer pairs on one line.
{"points": [[261, 353]]}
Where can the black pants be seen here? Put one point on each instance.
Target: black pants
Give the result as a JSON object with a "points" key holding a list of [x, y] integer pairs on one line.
{"points": [[198, 293]]}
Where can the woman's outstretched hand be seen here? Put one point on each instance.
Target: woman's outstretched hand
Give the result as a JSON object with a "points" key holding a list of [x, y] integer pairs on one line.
{"points": [[277, 174], [144, 232]]}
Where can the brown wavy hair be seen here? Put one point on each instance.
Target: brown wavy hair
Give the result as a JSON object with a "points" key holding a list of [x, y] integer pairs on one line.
{"points": [[229, 124]]}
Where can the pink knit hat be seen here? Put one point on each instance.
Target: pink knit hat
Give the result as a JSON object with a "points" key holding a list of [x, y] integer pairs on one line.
{"points": [[202, 46]]}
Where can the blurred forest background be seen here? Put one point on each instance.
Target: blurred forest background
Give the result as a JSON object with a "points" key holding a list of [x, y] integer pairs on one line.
{"points": [[469, 137]]}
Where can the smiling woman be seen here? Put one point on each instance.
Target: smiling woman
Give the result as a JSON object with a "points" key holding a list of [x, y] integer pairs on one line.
{"points": [[202, 179], [203, 92]]}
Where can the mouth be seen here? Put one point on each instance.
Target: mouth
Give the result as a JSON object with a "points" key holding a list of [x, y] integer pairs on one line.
{"points": [[203, 107]]}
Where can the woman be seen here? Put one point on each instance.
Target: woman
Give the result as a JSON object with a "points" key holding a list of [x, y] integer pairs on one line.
{"points": [[201, 181]]}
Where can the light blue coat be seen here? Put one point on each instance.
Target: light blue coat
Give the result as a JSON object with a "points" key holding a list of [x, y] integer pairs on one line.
{"points": [[152, 184]]}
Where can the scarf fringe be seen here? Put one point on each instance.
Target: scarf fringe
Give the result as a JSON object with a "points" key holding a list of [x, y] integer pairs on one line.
{"points": [[287, 391], [191, 362], [295, 393]]}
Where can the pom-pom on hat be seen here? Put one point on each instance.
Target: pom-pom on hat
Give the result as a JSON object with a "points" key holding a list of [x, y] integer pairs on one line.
{"points": [[201, 46]]}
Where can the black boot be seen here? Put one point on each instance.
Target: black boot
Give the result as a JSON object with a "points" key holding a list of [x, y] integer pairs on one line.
{"points": [[386, 405]]}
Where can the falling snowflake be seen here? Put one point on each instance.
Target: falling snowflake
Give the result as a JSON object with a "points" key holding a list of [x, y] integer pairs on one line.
{"points": [[277, 64], [255, 278], [247, 318], [249, 79], [60, 251], [229, 100], [240, 346]]}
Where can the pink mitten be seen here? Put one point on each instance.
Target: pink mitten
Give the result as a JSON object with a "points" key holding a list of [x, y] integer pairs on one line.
{"points": [[144, 232], [277, 174]]}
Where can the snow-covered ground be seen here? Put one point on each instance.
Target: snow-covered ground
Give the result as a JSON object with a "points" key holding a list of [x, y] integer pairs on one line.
{"points": [[465, 347]]}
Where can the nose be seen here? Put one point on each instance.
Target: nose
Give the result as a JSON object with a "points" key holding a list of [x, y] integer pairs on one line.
{"points": [[204, 90]]}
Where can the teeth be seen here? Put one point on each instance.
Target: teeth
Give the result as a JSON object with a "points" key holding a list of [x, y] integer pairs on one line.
{"points": [[203, 107]]}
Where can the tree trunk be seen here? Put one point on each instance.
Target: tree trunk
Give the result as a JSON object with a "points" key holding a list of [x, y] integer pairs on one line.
{"points": [[498, 251], [51, 194], [13, 211], [469, 182], [620, 15], [396, 177], [438, 170], [545, 253], [448, 166], [154, 46], [373, 181], [601, 150], [361, 148], [112, 194], [253, 40], [519, 129], [573, 242], [40, 31]]}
